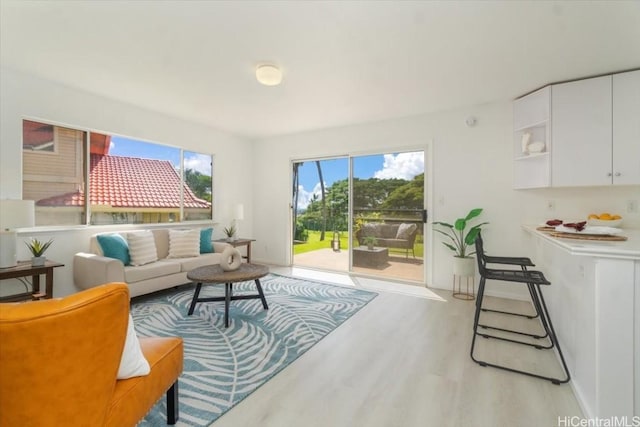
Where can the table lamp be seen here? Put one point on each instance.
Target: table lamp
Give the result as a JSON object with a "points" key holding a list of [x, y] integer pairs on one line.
{"points": [[13, 214], [238, 216]]}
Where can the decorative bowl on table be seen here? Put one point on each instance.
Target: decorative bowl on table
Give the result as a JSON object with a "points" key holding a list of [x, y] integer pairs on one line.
{"points": [[605, 220], [605, 223]]}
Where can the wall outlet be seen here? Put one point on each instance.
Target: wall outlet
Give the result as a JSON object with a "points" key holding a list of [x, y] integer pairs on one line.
{"points": [[551, 205], [632, 206]]}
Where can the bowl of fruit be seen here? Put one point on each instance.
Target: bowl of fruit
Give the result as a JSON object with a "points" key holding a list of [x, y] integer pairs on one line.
{"points": [[605, 219]]}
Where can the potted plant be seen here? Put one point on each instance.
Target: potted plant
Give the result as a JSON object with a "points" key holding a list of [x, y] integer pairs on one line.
{"points": [[230, 232], [461, 239], [38, 249], [370, 241]]}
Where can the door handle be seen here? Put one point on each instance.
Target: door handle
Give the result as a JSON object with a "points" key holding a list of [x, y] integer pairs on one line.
{"points": [[424, 216]]}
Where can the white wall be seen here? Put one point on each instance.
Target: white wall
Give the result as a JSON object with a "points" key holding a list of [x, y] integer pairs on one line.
{"points": [[26, 96], [472, 167]]}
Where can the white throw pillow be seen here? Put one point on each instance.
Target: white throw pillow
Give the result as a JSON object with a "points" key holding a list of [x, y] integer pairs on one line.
{"points": [[142, 247], [405, 230], [132, 363], [184, 243]]}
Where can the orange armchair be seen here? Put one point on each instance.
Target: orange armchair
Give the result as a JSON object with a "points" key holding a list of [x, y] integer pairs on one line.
{"points": [[59, 359]]}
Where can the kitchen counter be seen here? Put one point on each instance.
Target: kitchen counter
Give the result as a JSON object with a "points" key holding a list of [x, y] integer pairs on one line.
{"points": [[629, 249], [594, 303]]}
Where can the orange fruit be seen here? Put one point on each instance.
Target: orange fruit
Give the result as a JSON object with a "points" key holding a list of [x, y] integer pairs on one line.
{"points": [[606, 216], [616, 217], [593, 216]]}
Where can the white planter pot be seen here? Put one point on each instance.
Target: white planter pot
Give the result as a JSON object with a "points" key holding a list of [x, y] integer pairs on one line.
{"points": [[38, 261], [464, 266]]}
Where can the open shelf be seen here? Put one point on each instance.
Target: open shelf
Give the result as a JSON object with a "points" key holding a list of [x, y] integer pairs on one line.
{"points": [[532, 156]]}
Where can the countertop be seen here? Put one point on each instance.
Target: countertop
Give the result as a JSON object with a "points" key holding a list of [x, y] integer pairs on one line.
{"points": [[629, 249]]}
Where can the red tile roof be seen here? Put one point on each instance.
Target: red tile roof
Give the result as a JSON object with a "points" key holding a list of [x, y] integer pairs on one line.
{"points": [[132, 183]]}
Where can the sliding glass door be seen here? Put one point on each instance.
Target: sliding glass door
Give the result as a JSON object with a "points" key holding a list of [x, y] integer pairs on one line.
{"points": [[320, 208], [388, 215], [361, 214]]}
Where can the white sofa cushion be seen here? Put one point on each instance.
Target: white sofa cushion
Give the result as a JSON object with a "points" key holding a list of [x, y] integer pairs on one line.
{"points": [[150, 271], [184, 243], [142, 248], [188, 264]]}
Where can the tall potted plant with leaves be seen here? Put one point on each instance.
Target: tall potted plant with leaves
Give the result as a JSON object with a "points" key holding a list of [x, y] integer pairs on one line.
{"points": [[461, 241]]}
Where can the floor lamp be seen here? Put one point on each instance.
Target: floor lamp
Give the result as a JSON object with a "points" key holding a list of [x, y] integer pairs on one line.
{"points": [[13, 214]]}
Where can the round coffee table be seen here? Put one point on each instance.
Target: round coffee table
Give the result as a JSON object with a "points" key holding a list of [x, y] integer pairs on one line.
{"points": [[215, 274]]}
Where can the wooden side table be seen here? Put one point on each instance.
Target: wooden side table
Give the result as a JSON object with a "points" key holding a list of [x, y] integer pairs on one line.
{"points": [[241, 241], [25, 269]]}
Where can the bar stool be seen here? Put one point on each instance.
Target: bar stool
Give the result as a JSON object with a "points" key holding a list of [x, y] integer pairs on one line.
{"points": [[532, 279], [523, 263]]}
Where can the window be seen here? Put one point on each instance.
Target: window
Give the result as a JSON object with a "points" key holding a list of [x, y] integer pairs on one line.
{"points": [[38, 137], [129, 181], [53, 172]]}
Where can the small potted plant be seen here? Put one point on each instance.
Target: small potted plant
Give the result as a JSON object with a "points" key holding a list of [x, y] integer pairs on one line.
{"points": [[38, 249], [370, 241], [463, 264], [230, 232]]}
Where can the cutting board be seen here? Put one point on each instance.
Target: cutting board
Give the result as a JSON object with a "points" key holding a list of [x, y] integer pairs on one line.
{"points": [[600, 237]]}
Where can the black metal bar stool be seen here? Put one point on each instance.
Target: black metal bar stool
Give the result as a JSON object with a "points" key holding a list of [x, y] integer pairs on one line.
{"points": [[523, 263], [532, 279]]}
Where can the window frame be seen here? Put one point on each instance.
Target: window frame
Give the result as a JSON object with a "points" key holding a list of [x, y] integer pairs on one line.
{"points": [[86, 158]]}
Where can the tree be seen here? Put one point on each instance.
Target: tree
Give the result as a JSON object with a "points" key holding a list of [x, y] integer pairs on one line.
{"points": [[324, 201], [199, 183], [296, 182], [407, 196]]}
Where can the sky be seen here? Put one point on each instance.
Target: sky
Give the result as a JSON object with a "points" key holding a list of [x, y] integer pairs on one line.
{"points": [[383, 166], [128, 147]]}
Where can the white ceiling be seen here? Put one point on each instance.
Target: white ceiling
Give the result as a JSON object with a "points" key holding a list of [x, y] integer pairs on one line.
{"points": [[343, 62]]}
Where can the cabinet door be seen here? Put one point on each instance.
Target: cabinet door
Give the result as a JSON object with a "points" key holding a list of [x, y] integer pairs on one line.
{"points": [[581, 133], [626, 128]]}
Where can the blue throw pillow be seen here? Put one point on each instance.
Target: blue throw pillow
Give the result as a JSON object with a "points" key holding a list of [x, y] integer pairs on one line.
{"points": [[206, 246], [114, 246]]}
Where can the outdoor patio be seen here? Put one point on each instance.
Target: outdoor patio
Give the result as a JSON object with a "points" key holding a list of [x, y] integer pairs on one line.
{"points": [[398, 266]]}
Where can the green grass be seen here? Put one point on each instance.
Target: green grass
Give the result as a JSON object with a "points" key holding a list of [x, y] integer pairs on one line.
{"points": [[314, 243]]}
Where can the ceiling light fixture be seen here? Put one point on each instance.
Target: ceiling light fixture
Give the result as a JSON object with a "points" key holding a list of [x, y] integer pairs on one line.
{"points": [[269, 75]]}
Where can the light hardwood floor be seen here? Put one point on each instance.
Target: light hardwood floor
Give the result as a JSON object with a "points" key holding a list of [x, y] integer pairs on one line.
{"points": [[403, 360]]}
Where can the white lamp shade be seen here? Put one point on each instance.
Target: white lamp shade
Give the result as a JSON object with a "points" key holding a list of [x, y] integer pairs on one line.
{"points": [[269, 75], [239, 214], [16, 214]]}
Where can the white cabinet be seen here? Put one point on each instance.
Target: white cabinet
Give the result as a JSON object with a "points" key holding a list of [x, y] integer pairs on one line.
{"points": [[626, 128], [531, 116], [581, 130], [593, 302], [590, 130]]}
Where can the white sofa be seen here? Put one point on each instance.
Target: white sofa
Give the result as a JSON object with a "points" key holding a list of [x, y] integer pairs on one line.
{"points": [[93, 268]]}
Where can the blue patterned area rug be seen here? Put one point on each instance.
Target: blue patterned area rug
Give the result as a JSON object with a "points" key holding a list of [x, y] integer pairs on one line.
{"points": [[222, 365]]}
